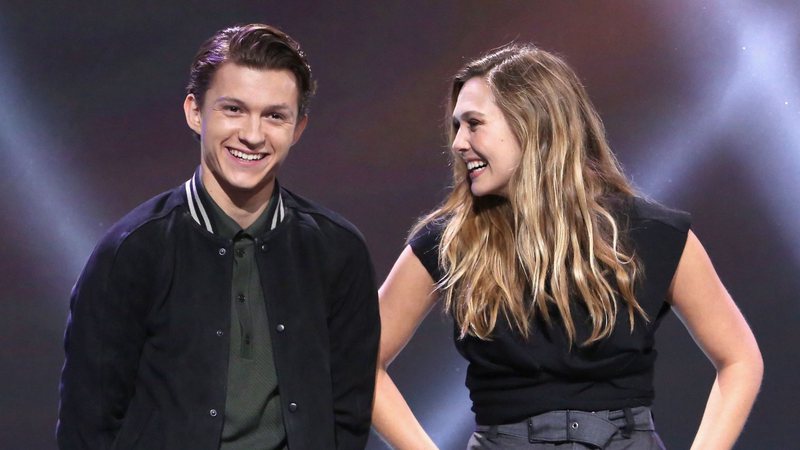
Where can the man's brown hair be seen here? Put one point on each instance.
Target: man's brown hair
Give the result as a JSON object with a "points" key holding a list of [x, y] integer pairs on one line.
{"points": [[256, 46]]}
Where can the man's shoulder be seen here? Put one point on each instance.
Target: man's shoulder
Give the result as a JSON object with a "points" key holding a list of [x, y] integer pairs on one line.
{"points": [[146, 217], [324, 219], [138, 240]]}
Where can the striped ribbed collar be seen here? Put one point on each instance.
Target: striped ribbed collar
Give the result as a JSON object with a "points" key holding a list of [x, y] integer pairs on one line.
{"points": [[199, 209]]}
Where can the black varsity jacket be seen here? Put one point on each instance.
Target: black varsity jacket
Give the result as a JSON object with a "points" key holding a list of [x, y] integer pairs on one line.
{"points": [[147, 337]]}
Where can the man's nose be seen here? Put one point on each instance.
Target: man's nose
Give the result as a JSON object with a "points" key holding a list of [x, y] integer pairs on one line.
{"points": [[251, 133]]}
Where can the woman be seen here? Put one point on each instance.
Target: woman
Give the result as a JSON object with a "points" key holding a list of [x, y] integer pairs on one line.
{"points": [[556, 275]]}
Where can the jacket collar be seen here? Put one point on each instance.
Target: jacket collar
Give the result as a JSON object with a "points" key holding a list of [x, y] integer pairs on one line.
{"points": [[199, 207]]}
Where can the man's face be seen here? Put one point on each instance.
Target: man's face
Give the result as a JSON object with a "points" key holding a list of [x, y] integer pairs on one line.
{"points": [[247, 123]]}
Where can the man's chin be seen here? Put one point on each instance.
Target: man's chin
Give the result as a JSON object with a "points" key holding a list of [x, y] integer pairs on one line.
{"points": [[246, 186]]}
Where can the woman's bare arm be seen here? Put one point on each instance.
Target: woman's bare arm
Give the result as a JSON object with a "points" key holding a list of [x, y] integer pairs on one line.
{"points": [[406, 297], [719, 329]]}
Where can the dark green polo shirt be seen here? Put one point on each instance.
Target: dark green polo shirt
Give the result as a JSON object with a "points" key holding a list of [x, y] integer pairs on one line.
{"points": [[253, 419]]}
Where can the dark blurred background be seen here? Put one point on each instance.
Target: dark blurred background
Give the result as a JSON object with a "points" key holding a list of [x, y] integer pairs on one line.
{"points": [[701, 100]]}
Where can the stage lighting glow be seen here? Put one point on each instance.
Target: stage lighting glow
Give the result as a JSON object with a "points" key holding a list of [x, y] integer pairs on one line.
{"points": [[42, 190], [769, 81], [454, 428], [761, 91]]}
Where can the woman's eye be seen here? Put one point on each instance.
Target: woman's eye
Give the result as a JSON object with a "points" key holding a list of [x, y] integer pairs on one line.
{"points": [[473, 124]]}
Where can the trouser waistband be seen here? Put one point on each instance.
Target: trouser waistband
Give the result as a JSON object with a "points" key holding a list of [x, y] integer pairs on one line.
{"points": [[595, 428]]}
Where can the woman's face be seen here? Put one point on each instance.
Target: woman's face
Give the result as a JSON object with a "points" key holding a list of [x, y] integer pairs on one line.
{"points": [[484, 142]]}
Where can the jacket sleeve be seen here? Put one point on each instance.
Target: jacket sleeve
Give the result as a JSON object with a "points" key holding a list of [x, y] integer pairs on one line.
{"points": [[354, 326], [103, 342]]}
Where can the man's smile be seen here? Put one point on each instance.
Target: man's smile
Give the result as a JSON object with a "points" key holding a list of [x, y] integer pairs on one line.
{"points": [[245, 156]]}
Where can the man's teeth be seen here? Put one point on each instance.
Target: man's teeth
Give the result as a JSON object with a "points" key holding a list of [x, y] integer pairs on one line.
{"points": [[474, 165], [246, 156]]}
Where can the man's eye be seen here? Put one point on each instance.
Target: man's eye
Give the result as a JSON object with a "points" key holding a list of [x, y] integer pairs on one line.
{"points": [[275, 116], [232, 108]]}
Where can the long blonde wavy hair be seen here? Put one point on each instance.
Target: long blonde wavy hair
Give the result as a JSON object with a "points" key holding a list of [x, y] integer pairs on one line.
{"points": [[554, 240]]}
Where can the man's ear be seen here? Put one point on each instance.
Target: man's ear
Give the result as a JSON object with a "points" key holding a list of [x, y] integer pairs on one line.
{"points": [[299, 128], [191, 108]]}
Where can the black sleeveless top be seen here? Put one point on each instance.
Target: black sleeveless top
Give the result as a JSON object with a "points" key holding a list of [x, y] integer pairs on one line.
{"points": [[511, 378]]}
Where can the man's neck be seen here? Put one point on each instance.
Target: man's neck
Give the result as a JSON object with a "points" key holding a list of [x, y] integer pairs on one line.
{"points": [[243, 206]]}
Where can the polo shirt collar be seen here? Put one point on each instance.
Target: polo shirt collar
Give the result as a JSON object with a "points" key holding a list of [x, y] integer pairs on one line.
{"points": [[202, 207]]}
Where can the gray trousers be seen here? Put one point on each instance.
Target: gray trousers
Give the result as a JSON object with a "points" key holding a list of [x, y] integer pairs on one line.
{"points": [[630, 428]]}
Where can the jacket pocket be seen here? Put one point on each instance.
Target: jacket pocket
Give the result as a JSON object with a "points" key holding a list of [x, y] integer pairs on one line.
{"points": [[140, 429]]}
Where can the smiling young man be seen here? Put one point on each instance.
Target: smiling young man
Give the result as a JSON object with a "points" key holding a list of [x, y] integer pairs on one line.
{"points": [[227, 313]]}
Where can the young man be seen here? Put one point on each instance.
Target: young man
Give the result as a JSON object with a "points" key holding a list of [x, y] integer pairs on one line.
{"points": [[227, 313]]}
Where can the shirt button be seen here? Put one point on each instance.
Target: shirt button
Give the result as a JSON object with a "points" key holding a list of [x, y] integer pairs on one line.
{"points": [[280, 328], [292, 407], [264, 247], [574, 425], [212, 413], [222, 252], [220, 332], [239, 252], [241, 298]]}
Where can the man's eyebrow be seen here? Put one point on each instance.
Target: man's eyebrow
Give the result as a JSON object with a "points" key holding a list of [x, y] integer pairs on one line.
{"points": [[280, 107], [228, 99], [232, 100]]}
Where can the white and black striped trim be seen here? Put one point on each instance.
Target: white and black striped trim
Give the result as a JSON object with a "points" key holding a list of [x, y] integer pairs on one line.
{"points": [[196, 205], [194, 199], [278, 216]]}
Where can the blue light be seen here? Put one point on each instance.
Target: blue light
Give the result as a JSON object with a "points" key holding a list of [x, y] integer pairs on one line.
{"points": [[762, 90], [43, 190]]}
